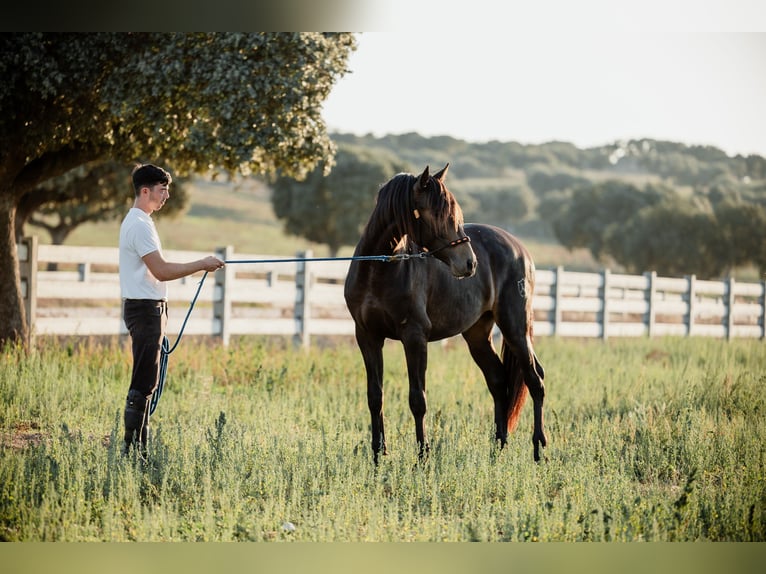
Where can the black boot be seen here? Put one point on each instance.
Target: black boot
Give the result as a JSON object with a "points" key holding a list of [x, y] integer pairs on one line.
{"points": [[136, 421]]}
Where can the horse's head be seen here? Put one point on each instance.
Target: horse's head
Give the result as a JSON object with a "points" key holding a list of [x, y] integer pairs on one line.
{"points": [[440, 223]]}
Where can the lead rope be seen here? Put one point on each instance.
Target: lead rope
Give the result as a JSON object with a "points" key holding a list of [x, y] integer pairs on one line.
{"points": [[166, 349]]}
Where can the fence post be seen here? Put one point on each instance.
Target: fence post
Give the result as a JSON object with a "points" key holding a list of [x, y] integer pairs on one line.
{"points": [[605, 305], [729, 302], [652, 315], [692, 293], [27, 255], [557, 301], [763, 309], [224, 286], [302, 336], [83, 269]]}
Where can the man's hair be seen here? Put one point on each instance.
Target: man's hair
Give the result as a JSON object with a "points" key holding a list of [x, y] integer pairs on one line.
{"points": [[148, 175]]}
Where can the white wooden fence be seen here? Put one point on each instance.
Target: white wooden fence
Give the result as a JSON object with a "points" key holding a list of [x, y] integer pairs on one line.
{"points": [[301, 300]]}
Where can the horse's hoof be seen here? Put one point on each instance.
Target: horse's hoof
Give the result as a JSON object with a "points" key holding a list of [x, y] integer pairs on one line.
{"points": [[539, 440]]}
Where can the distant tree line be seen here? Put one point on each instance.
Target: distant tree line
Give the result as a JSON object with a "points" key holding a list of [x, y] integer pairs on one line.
{"points": [[677, 162], [656, 227], [642, 204]]}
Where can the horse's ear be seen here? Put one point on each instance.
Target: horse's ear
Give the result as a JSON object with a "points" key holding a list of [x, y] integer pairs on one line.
{"points": [[440, 175], [422, 180]]}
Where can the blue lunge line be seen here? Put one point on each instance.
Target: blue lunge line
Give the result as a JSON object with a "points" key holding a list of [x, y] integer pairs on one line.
{"points": [[167, 349]]}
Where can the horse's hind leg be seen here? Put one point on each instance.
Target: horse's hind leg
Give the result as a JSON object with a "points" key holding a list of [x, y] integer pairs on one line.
{"points": [[534, 380], [372, 352], [517, 334], [479, 341]]}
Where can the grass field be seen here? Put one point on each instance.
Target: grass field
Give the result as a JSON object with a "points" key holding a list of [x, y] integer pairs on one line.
{"points": [[656, 440], [649, 440]]}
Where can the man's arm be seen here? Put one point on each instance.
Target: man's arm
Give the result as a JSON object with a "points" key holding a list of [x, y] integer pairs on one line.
{"points": [[168, 270]]}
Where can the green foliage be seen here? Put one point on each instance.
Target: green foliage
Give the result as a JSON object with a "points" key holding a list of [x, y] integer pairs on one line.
{"points": [[332, 208], [497, 202], [543, 179], [588, 215], [740, 236], [672, 237], [678, 163], [650, 440], [247, 101], [656, 227], [192, 102]]}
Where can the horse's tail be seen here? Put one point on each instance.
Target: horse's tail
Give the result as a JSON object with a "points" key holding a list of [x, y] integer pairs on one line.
{"points": [[517, 392]]}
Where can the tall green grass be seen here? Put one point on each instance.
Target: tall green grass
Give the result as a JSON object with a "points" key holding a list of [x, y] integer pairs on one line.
{"points": [[657, 440]]}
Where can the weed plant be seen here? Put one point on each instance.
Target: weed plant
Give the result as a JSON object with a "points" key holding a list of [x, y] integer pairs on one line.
{"points": [[655, 440]]}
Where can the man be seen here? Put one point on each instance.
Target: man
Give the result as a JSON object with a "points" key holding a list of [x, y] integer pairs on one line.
{"points": [[144, 273]]}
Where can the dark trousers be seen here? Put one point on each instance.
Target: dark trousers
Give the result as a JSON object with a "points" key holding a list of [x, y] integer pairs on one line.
{"points": [[146, 321]]}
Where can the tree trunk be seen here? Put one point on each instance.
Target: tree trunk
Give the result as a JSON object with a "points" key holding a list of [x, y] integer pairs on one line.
{"points": [[60, 233], [13, 324]]}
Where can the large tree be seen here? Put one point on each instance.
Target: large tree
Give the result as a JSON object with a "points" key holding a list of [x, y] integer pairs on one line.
{"points": [[585, 216], [675, 237], [740, 234], [332, 208], [246, 102]]}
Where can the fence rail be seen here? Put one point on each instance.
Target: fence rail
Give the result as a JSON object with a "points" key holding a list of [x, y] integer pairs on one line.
{"points": [[75, 291]]}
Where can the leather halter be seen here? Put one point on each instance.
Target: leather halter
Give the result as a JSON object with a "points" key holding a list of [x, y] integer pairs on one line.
{"points": [[424, 254], [427, 253], [456, 242]]}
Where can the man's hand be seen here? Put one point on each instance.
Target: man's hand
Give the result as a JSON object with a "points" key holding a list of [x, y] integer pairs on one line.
{"points": [[169, 270], [211, 263]]}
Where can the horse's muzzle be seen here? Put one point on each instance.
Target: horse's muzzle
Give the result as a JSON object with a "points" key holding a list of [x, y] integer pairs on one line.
{"points": [[470, 269], [471, 264], [462, 269]]}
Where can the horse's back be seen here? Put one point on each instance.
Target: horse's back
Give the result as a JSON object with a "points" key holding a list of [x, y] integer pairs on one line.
{"points": [[500, 253]]}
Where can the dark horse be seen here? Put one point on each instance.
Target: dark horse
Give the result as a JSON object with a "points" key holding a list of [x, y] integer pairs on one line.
{"points": [[448, 278]]}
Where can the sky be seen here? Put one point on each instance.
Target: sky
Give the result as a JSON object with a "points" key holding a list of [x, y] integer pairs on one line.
{"points": [[588, 85]]}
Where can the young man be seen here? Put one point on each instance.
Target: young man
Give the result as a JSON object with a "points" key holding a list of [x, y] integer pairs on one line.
{"points": [[144, 273]]}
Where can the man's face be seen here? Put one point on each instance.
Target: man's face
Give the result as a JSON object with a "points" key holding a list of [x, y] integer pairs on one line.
{"points": [[158, 195]]}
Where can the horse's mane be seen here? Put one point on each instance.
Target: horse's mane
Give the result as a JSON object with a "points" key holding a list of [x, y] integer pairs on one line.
{"points": [[395, 206]]}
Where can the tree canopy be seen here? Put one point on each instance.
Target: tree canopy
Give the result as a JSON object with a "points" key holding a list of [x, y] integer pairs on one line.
{"points": [[331, 209], [193, 102]]}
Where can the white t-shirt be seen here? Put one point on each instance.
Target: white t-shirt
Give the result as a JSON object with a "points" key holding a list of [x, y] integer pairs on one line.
{"points": [[138, 237]]}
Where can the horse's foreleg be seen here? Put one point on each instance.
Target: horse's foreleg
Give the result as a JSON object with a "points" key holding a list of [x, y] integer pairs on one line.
{"points": [[416, 353], [372, 353]]}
